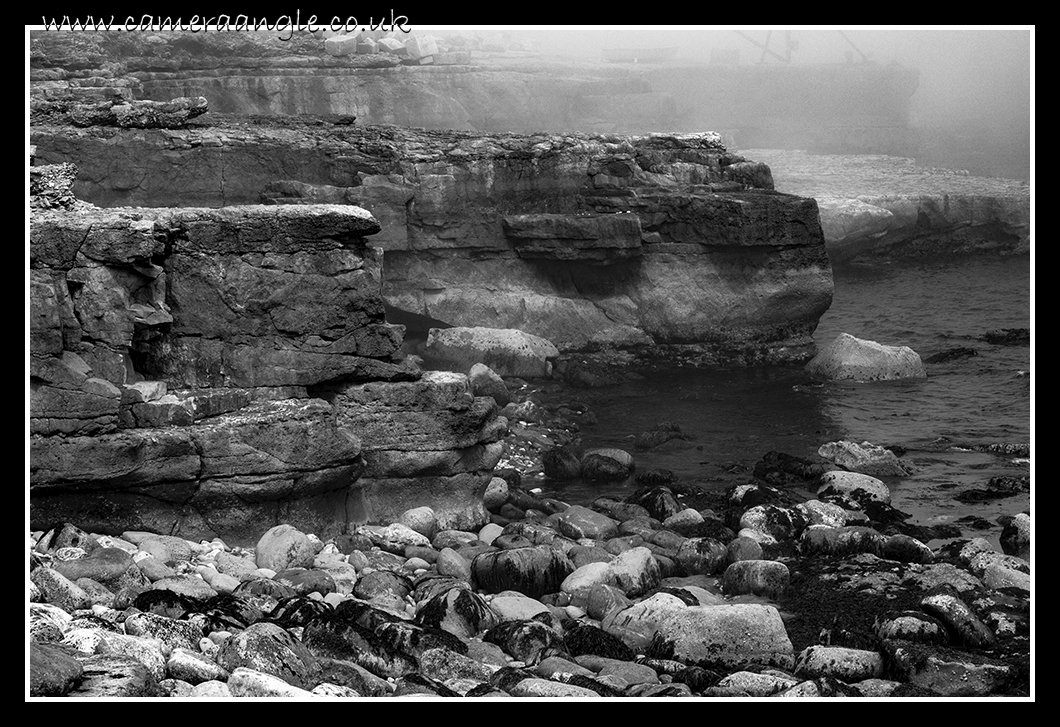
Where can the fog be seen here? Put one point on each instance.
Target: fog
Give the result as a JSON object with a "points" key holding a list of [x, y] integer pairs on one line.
{"points": [[973, 105]]}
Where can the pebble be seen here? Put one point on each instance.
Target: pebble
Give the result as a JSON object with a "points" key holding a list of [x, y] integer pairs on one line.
{"points": [[554, 614]]}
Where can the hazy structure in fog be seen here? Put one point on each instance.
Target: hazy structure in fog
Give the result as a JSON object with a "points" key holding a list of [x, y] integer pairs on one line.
{"points": [[972, 107]]}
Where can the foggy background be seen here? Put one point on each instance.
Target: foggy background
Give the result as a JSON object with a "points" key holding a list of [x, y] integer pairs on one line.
{"points": [[973, 106]]}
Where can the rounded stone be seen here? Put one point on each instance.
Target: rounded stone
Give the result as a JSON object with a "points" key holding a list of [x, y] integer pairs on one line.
{"points": [[767, 578], [421, 519], [854, 486], [284, 546]]}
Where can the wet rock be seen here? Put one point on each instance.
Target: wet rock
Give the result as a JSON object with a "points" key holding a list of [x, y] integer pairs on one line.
{"points": [[298, 611], [496, 494], [660, 434], [413, 640], [820, 687], [484, 381], [193, 667], [527, 641], [248, 682], [516, 607], [114, 675], [1016, 536], [1008, 337], [53, 670], [779, 469], [606, 464], [659, 501], [382, 582], [167, 548], [866, 458], [268, 648], [847, 540], [560, 463], [341, 637], [823, 513], [173, 633], [911, 626], [655, 478], [506, 351], [457, 611], [532, 571], [705, 556], [848, 665], [724, 636], [353, 676], [766, 578], [782, 523], [602, 599], [951, 354], [59, 590], [906, 549], [534, 687], [848, 357], [583, 639], [635, 571], [581, 522], [637, 624], [284, 546], [853, 487], [742, 548], [113, 568], [946, 672], [960, 620], [423, 520], [554, 667], [189, 586], [307, 580], [751, 684]]}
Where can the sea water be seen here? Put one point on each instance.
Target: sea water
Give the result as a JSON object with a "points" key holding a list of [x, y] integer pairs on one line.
{"points": [[731, 418]]}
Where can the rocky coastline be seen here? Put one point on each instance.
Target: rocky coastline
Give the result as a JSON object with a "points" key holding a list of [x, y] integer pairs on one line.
{"points": [[247, 479], [810, 587], [888, 209]]}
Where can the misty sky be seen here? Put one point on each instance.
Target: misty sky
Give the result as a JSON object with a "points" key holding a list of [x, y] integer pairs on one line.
{"points": [[967, 75]]}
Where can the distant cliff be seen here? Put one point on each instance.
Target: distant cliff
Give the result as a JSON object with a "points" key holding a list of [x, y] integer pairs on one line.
{"points": [[835, 108]]}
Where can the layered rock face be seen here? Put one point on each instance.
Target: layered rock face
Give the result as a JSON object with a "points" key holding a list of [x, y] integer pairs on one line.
{"points": [[837, 108], [213, 372], [587, 240], [879, 209]]}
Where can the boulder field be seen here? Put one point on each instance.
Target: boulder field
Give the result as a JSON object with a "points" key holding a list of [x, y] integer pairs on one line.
{"points": [[760, 595]]}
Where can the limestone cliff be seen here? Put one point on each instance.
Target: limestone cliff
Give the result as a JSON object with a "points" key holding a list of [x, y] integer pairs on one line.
{"points": [[588, 240], [469, 85], [215, 372]]}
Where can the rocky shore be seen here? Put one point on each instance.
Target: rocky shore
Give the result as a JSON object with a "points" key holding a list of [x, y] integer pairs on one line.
{"points": [[245, 480], [880, 209], [674, 592]]}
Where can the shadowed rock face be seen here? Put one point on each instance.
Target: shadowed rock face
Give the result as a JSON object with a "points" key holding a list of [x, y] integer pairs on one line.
{"points": [[203, 371], [588, 241]]}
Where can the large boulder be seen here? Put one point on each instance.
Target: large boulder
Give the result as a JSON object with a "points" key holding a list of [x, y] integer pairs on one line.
{"points": [[848, 357], [866, 458], [736, 635], [509, 352]]}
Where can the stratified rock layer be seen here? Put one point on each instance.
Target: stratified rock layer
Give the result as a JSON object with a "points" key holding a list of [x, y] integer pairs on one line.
{"points": [[178, 360], [665, 240]]}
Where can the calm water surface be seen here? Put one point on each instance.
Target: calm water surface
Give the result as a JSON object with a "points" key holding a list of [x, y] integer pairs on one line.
{"points": [[734, 417]]}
